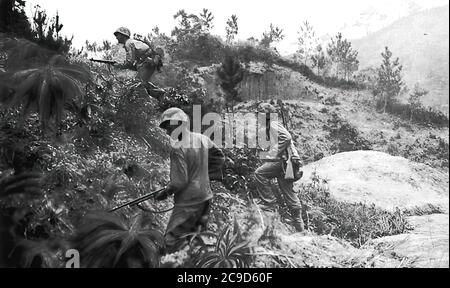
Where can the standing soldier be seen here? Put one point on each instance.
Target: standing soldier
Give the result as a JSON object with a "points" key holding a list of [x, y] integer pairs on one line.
{"points": [[189, 178], [139, 56], [281, 148]]}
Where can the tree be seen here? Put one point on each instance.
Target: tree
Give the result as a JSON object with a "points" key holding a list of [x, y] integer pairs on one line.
{"points": [[191, 24], [274, 35], [389, 80], [13, 18], [306, 42], [232, 28], [230, 74], [206, 20], [343, 56], [48, 31], [415, 98], [319, 59]]}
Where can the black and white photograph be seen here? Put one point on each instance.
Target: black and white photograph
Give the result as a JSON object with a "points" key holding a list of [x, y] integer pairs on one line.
{"points": [[243, 134]]}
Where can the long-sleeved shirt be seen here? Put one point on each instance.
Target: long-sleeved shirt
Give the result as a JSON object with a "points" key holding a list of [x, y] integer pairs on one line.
{"points": [[135, 50], [280, 141], [189, 171]]}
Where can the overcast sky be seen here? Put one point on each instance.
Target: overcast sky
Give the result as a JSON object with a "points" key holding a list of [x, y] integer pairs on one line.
{"points": [[96, 20]]}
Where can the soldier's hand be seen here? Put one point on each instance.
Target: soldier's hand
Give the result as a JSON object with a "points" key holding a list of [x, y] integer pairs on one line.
{"points": [[161, 196]]}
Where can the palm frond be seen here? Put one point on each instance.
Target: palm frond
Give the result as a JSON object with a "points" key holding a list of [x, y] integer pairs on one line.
{"points": [[230, 251], [111, 240], [37, 253], [47, 88], [27, 183]]}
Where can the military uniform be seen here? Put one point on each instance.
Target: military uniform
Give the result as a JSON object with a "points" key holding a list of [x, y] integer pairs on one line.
{"points": [[281, 141], [189, 179], [139, 56]]}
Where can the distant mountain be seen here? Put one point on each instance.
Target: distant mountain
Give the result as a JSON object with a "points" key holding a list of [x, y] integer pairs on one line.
{"points": [[421, 41]]}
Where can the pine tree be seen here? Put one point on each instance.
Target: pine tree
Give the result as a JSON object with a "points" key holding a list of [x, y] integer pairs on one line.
{"points": [[319, 59], [343, 56], [274, 35], [389, 81], [232, 28], [415, 98], [230, 74], [307, 42]]}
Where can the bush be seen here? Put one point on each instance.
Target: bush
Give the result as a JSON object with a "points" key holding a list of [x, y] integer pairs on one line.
{"points": [[344, 136], [204, 49], [355, 222], [419, 114]]}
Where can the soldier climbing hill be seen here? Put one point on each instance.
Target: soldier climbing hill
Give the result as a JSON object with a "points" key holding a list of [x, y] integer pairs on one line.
{"points": [[282, 151], [139, 55]]}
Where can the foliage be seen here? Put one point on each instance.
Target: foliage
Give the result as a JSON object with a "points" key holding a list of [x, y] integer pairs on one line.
{"points": [[306, 42], [274, 35], [355, 222], [239, 171], [230, 251], [343, 56], [414, 98], [14, 20], [345, 136], [48, 32], [38, 254], [318, 59], [27, 183], [110, 240], [232, 28], [230, 74], [47, 88], [389, 81]]}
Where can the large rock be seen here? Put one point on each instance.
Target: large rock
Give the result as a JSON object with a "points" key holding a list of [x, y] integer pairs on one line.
{"points": [[389, 182], [384, 180]]}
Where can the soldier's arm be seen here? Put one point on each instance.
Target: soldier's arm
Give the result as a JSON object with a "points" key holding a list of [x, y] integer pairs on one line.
{"points": [[216, 160], [130, 57], [284, 137], [178, 172]]}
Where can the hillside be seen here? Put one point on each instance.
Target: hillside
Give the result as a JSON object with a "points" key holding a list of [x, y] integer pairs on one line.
{"points": [[116, 152], [421, 41]]}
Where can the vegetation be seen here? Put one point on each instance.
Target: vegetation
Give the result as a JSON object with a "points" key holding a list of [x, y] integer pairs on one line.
{"points": [[107, 147], [356, 222], [389, 81]]}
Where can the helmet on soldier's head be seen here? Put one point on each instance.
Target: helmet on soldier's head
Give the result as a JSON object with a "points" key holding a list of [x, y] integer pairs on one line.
{"points": [[124, 31], [173, 114], [267, 108]]}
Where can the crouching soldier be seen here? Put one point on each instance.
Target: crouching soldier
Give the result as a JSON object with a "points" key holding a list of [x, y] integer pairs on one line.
{"points": [[189, 178], [282, 147], [139, 55]]}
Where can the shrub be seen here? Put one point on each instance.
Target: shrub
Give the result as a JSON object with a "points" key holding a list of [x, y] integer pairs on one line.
{"points": [[229, 251], [204, 49], [110, 240], [355, 222], [344, 136], [47, 88]]}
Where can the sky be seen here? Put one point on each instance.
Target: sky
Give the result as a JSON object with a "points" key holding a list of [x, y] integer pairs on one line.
{"points": [[96, 20]]}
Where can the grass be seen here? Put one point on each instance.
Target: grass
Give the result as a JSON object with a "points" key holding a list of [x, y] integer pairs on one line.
{"points": [[354, 222]]}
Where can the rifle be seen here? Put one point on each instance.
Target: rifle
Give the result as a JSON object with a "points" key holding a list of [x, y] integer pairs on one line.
{"points": [[137, 201], [109, 62]]}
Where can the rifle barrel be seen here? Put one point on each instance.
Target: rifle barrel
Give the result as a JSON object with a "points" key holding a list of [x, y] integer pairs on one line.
{"points": [[136, 201]]}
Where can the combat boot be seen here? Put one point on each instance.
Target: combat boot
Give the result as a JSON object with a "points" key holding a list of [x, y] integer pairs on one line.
{"points": [[297, 220]]}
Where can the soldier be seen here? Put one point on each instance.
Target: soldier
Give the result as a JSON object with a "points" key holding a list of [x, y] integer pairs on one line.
{"points": [[189, 178], [139, 56], [274, 168]]}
